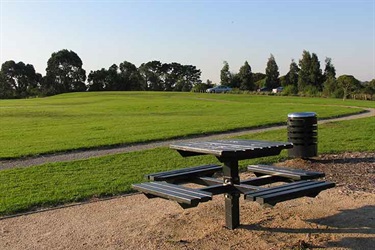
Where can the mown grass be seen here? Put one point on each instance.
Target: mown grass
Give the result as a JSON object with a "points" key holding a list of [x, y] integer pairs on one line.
{"points": [[24, 189], [88, 120]]}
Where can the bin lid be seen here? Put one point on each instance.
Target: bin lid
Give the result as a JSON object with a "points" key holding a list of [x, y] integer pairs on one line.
{"points": [[302, 115]]}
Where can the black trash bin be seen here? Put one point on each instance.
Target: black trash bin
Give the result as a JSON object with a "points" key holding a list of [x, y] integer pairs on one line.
{"points": [[303, 133]]}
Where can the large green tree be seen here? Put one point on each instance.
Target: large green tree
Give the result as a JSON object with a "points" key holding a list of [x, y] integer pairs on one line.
{"points": [[235, 81], [20, 79], [316, 77], [329, 70], [64, 73], [151, 73], [189, 77], [272, 73], [98, 80], [225, 75], [171, 74], [292, 75], [330, 88], [304, 72], [246, 77], [6, 90], [348, 84], [130, 79], [369, 89], [310, 77]]}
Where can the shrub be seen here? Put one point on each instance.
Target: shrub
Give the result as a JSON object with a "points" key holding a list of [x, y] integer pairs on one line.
{"points": [[290, 90]]}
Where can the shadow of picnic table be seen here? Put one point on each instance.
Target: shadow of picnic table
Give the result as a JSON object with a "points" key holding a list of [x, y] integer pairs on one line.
{"points": [[348, 221]]}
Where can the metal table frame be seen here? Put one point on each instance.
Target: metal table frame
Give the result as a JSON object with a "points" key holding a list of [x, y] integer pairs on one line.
{"points": [[230, 152]]}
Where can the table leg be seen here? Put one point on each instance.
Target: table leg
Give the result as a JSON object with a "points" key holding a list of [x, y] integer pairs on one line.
{"points": [[232, 205]]}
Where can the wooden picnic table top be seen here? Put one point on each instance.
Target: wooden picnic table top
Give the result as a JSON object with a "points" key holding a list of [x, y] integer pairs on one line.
{"points": [[231, 149]]}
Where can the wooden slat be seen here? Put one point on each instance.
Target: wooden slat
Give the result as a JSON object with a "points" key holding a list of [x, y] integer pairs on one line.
{"points": [[295, 174]]}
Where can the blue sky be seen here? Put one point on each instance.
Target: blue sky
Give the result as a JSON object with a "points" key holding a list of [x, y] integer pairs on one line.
{"points": [[201, 33]]}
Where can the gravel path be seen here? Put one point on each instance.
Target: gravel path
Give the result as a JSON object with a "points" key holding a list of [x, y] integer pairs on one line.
{"points": [[78, 155]]}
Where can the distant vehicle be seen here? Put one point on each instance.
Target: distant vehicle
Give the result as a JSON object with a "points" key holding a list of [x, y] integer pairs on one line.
{"points": [[277, 90], [264, 89], [219, 89]]}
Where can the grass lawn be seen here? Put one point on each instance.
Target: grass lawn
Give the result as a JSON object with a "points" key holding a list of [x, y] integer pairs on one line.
{"points": [[24, 189], [88, 120]]}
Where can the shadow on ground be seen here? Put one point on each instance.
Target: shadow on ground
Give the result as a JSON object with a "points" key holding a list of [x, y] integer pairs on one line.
{"points": [[350, 221]]}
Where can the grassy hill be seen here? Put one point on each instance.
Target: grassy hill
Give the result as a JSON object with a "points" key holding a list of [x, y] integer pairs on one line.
{"points": [[90, 120]]}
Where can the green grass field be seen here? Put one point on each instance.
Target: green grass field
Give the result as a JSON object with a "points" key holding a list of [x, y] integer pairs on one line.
{"points": [[89, 120], [84, 120], [25, 189]]}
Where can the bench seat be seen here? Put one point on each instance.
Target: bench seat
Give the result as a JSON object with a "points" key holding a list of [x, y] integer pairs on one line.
{"points": [[186, 197], [185, 173], [289, 191], [294, 174]]}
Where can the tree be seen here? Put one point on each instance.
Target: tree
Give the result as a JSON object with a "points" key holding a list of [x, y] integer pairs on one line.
{"points": [[304, 72], [259, 80], [331, 89], [329, 70], [225, 75], [292, 75], [98, 80], [370, 89], [113, 79], [330, 83], [21, 78], [190, 76], [246, 77], [272, 73], [172, 72], [130, 79], [235, 81], [209, 83], [316, 76], [151, 74], [310, 78], [6, 90], [283, 80], [258, 76], [64, 73], [348, 84]]}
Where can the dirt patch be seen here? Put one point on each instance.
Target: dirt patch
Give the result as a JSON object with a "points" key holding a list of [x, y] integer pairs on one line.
{"points": [[338, 218], [352, 171]]}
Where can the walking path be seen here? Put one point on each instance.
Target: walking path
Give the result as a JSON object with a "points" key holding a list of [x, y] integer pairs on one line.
{"points": [[78, 155]]}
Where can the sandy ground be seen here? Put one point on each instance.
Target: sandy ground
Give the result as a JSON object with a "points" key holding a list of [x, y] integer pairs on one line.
{"points": [[338, 218]]}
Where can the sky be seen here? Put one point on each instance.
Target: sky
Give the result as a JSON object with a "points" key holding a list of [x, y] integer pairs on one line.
{"points": [[200, 33]]}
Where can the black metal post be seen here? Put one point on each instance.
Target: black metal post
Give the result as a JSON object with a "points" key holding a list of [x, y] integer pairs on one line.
{"points": [[232, 204]]}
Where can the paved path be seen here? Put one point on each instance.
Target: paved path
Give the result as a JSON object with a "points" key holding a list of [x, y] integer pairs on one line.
{"points": [[78, 155]]}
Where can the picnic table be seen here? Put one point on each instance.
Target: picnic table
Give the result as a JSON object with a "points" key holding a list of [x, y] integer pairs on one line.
{"points": [[299, 183]]}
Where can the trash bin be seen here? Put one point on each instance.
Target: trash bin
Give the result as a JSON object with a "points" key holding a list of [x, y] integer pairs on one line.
{"points": [[303, 133]]}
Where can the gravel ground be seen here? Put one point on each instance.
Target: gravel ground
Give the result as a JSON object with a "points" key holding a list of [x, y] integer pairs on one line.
{"points": [[339, 218]]}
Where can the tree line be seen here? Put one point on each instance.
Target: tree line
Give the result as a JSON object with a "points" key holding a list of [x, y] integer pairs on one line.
{"points": [[306, 78], [64, 73]]}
